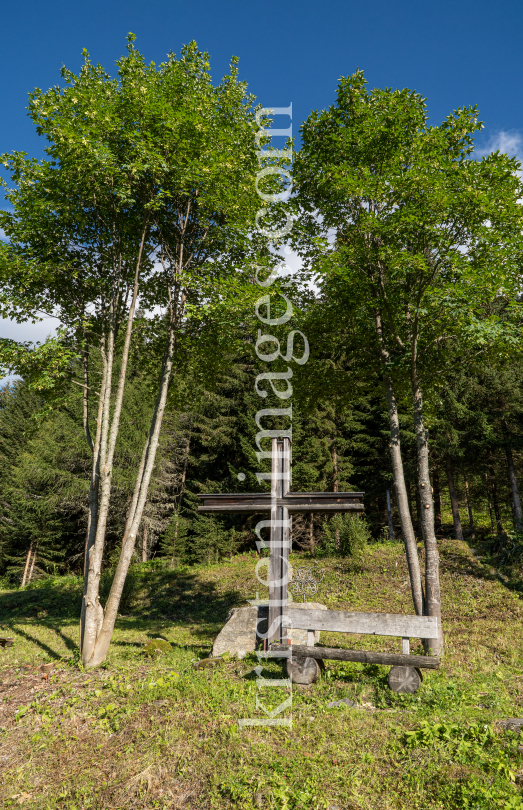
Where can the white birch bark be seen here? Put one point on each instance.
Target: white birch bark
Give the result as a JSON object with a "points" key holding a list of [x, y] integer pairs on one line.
{"points": [[27, 562], [139, 499], [109, 433]]}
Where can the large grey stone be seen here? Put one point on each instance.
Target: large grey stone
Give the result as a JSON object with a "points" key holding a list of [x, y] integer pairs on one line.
{"points": [[512, 724], [238, 635], [241, 632]]}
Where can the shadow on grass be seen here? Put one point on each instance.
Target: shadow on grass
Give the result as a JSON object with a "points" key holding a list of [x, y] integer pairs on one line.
{"points": [[176, 596], [34, 640], [152, 597]]}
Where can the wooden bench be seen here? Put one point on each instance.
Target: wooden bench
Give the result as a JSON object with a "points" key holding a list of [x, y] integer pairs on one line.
{"points": [[6, 642], [405, 675]]}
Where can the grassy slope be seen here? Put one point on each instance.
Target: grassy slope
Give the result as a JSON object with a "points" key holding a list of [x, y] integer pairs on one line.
{"points": [[159, 734]]}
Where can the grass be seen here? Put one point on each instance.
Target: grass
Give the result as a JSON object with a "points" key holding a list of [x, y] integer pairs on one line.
{"points": [[158, 733]]}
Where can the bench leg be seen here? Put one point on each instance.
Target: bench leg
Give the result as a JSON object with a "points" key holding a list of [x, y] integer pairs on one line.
{"points": [[405, 679], [303, 670]]}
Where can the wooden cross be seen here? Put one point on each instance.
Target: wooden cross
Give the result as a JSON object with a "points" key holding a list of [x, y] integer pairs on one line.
{"points": [[281, 503]]}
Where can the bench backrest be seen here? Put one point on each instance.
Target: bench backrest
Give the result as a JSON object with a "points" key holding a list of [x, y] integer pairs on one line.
{"points": [[379, 624]]}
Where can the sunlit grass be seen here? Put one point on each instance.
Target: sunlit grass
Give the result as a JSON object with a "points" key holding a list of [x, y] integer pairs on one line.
{"points": [[157, 733]]}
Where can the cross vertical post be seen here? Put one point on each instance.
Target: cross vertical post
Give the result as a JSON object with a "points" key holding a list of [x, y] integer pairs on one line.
{"points": [[280, 540]]}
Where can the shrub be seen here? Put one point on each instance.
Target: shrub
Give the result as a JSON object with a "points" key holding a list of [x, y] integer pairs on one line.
{"points": [[345, 535]]}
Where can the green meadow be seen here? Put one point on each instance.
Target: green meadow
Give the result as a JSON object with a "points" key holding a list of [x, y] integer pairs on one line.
{"points": [[160, 732]]}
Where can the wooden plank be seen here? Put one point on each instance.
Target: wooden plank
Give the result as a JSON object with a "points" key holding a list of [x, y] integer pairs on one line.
{"points": [[275, 610], [304, 497], [372, 624], [294, 508], [359, 656], [405, 646], [405, 680], [249, 502], [323, 506], [285, 466]]}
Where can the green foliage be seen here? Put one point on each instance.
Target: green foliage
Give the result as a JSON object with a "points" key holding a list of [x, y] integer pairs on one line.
{"points": [[465, 739], [156, 647], [480, 746], [345, 535], [210, 541], [173, 544], [370, 145]]}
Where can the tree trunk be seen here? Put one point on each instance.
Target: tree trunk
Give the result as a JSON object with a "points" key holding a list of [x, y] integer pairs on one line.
{"points": [[30, 575], [94, 492], [487, 485], [335, 489], [469, 509], [27, 562], [139, 498], [516, 500], [407, 530], [312, 547], [411, 548], [453, 499], [93, 615], [495, 500], [144, 543], [419, 519], [437, 499], [426, 516]]}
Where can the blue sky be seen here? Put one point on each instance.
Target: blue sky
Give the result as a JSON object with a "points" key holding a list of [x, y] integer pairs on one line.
{"points": [[455, 53]]}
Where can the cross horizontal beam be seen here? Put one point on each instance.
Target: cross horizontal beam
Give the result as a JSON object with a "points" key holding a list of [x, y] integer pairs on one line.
{"points": [[294, 501]]}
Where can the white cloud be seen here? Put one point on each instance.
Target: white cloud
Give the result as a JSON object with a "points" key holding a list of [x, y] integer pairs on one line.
{"points": [[508, 141]]}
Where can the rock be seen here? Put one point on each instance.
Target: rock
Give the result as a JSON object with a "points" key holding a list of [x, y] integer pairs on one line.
{"points": [[512, 724], [303, 670], [156, 647], [238, 635], [241, 632], [342, 702], [207, 663]]}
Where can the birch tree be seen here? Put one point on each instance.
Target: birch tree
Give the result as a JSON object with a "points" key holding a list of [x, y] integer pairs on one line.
{"points": [[144, 200], [422, 238]]}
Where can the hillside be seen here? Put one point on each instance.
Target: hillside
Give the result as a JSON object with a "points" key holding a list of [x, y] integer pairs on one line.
{"points": [[146, 733]]}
